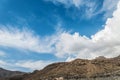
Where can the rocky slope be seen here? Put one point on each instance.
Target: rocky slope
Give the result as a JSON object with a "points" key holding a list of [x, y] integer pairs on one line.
{"points": [[5, 74], [80, 69]]}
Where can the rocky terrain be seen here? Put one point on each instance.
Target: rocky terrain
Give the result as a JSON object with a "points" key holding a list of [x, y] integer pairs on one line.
{"points": [[100, 68], [6, 74]]}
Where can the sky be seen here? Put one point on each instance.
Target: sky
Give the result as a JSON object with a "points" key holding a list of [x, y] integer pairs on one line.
{"points": [[35, 33]]}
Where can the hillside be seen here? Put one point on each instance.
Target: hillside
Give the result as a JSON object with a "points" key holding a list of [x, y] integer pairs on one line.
{"points": [[5, 74], [79, 69]]}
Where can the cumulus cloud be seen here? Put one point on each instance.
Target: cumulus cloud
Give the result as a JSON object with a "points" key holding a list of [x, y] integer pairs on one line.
{"points": [[104, 43]]}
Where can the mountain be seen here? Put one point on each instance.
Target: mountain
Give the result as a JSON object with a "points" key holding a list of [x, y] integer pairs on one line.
{"points": [[4, 74], [100, 68]]}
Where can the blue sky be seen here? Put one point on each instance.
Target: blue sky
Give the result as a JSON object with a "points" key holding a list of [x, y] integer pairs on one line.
{"points": [[36, 33]]}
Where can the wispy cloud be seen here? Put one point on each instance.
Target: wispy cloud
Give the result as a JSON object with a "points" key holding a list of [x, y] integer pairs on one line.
{"points": [[33, 65], [30, 65], [69, 3], [90, 7], [108, 8], [25, 39]]}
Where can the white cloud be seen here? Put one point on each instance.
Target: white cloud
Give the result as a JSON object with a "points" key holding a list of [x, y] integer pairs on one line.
{"points": [[108, 7], [69, 3], [33, 65], [104, 43], [65, 45], [30, 65], [77, 3], [65, 2], [6, 65], [90, 7], [25, 39]]}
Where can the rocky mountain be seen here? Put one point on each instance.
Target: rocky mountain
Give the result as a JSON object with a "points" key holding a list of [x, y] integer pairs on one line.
{"points": [[4, 74], [100, 68]]}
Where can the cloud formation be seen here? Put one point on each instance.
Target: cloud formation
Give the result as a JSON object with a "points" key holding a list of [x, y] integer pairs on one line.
{"points": [[104, 43], [69, 3], [33, 65], [90, 7], [63, 44], [30, 65], [25, 39], [66, 45], [108, 8]]}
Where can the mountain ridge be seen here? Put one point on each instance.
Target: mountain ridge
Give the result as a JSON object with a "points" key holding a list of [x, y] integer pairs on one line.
{"points": [[5, 74], [79, 68], [100, 68]]}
